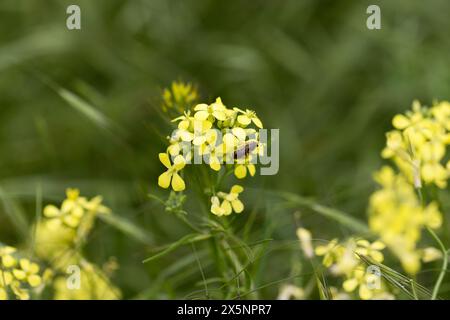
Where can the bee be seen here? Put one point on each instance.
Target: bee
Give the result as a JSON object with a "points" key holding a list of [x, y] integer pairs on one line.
{"points": [[245, 149]]}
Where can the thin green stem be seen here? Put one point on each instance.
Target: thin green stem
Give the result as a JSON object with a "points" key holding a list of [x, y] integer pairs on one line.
{"points": [[444, 264]]}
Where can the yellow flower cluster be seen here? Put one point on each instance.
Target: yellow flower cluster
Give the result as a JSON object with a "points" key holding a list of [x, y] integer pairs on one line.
{"points": [[74, 210], [230, 202], [418, 148], [342, 259], [220, 136], [396, 214], [179, 97], [418, 143], [59, 239], [17, 275]]}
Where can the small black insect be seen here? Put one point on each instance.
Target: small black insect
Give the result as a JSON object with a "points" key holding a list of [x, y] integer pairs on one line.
{"points": [[244, 150]]}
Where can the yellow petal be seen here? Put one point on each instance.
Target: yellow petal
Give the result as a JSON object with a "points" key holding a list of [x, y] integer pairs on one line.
{"points": [[177, 182], [164, 158], [363, 243], [34, 280], [219, 115], [201, 115], [164, 180], [257, 122], [199, 140], [378, 245], [179, 162], [201, 107], [350, 285], [24, 264], [226, 207], [377, 256], [240, 171], [243, 120], [19, 274], [239, 133], [51, 211], [214, 163], [365, 293], [237, 205], [236, 189], [8, 261], [34, 268], [251, 169], [400, 121]]}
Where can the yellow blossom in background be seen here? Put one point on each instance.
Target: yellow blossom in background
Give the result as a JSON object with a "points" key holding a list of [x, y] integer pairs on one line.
{"points": [[94, 285], [304, 236], [396, 214], [330, 252], [179, 97], [230, 202], [28, 272], [18, 275], [73, 209], [430, 254], [343, 260], [418, 143]]}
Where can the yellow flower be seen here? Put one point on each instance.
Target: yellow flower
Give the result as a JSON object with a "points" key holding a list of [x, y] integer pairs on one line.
{"points": [[28, 272], [371, 250], [179, 97], [418, 145], [431, 254], [240, 171], [6, 256], [248, 116], [229, 204], [73, 209], [396, 214], [365, 281], [329, 252], [172, 172], [185, 121], [210, 112], [304, 236]]}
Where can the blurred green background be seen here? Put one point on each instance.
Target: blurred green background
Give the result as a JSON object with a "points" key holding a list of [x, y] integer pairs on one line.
{"points": [[310, 68]]}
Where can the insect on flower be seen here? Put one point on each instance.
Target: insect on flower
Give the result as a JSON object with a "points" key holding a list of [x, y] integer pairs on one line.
{"points": [[244, 150]]}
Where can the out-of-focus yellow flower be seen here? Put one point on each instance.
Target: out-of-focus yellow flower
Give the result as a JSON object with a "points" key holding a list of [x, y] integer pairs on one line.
{"points": [[230, 202], [7, 259], [28, 272], [94, 285], [418, 144], [18, 276], [343, 259], [240, 171], [211, 112], [305, 237], [179, 97], [73, 209], [171, 175], [330, 252], [430, 254], [185, 121], [396, 214], [371, 250], [365, 282]]}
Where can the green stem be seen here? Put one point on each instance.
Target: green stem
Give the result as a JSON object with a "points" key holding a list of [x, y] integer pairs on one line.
{"points": [[444, 265]]}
